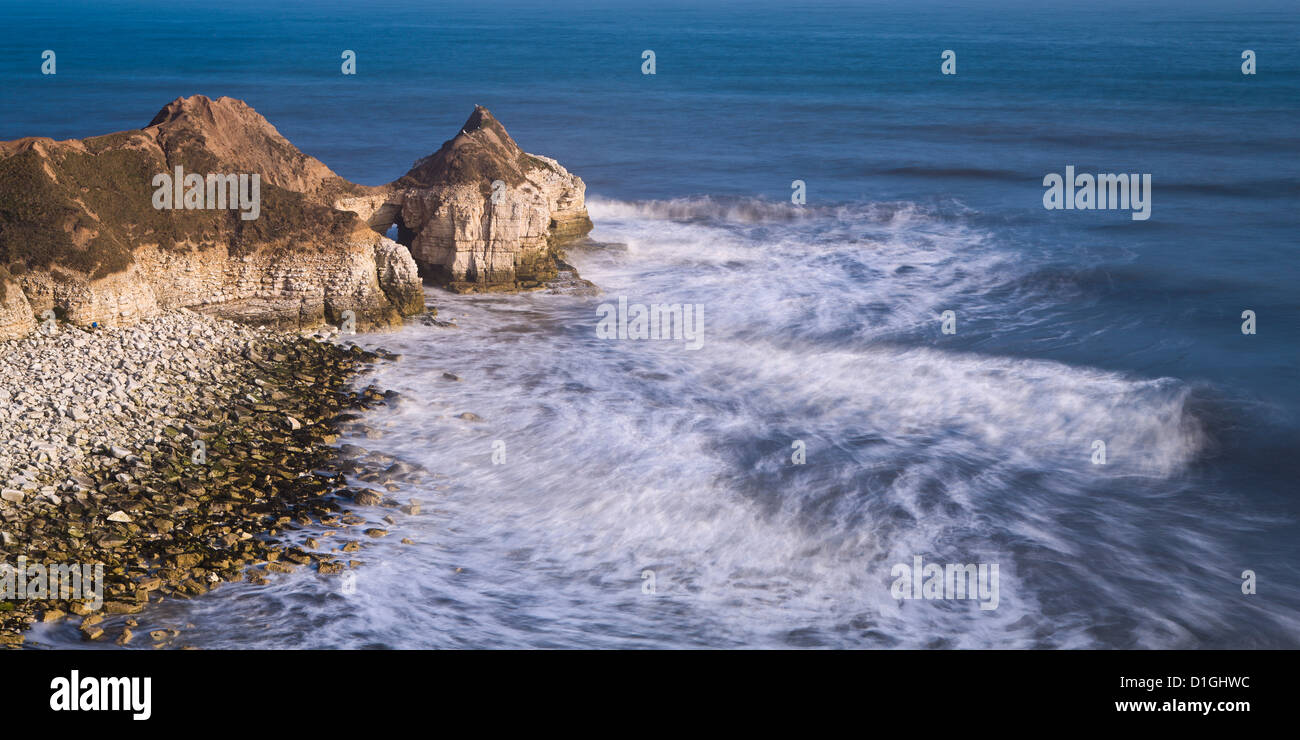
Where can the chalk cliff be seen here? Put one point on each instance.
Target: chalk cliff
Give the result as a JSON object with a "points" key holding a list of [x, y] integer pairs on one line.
{"points": [[80, 233]]}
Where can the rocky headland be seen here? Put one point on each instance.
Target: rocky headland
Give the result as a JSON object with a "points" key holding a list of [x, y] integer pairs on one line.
{"points": [[169, 399], [81, 233]]}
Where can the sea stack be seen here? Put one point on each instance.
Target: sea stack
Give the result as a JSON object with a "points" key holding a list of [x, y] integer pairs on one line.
{"points": [[481, 214]]}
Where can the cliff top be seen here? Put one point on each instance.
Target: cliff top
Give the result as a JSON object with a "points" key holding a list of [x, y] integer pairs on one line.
{"points": [[482, 152], [83, 205]]}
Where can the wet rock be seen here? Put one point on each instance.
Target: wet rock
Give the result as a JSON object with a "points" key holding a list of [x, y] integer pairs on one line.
{"points": [[367, 498], [124, 487], [188, 560]]}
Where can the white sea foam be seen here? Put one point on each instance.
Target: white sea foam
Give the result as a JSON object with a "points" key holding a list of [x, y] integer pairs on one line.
{"points": [[626, 457]]}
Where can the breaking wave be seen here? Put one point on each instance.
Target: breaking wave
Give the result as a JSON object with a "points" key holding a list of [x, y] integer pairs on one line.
{"points": [[633, 463]]}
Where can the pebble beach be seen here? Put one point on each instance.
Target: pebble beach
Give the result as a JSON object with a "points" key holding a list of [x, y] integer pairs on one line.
{"points": [[177, 452]]}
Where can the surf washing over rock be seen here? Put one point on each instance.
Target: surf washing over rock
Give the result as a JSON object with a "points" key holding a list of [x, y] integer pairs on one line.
{"points": [[586, 464], [82, 234]]}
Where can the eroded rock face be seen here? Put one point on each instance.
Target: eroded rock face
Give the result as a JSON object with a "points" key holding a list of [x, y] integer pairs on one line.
{"points": [[16, 317], [482, 214], [80, 233]]}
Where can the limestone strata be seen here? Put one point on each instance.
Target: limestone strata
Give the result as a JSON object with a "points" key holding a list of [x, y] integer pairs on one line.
{"points": [[16, 317], [373, 276]]}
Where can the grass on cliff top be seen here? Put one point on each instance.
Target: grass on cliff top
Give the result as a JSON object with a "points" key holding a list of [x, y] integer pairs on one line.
{"points": [[530, 162], [471, 161], [100, 205]]}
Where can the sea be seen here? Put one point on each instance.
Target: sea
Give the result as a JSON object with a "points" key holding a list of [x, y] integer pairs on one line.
{"points": [[919, 360]]}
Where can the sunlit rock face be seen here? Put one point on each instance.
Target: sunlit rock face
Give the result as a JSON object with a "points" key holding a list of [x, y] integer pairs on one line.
{"points": [[481, 214], [87, 230], [81, 232]]}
